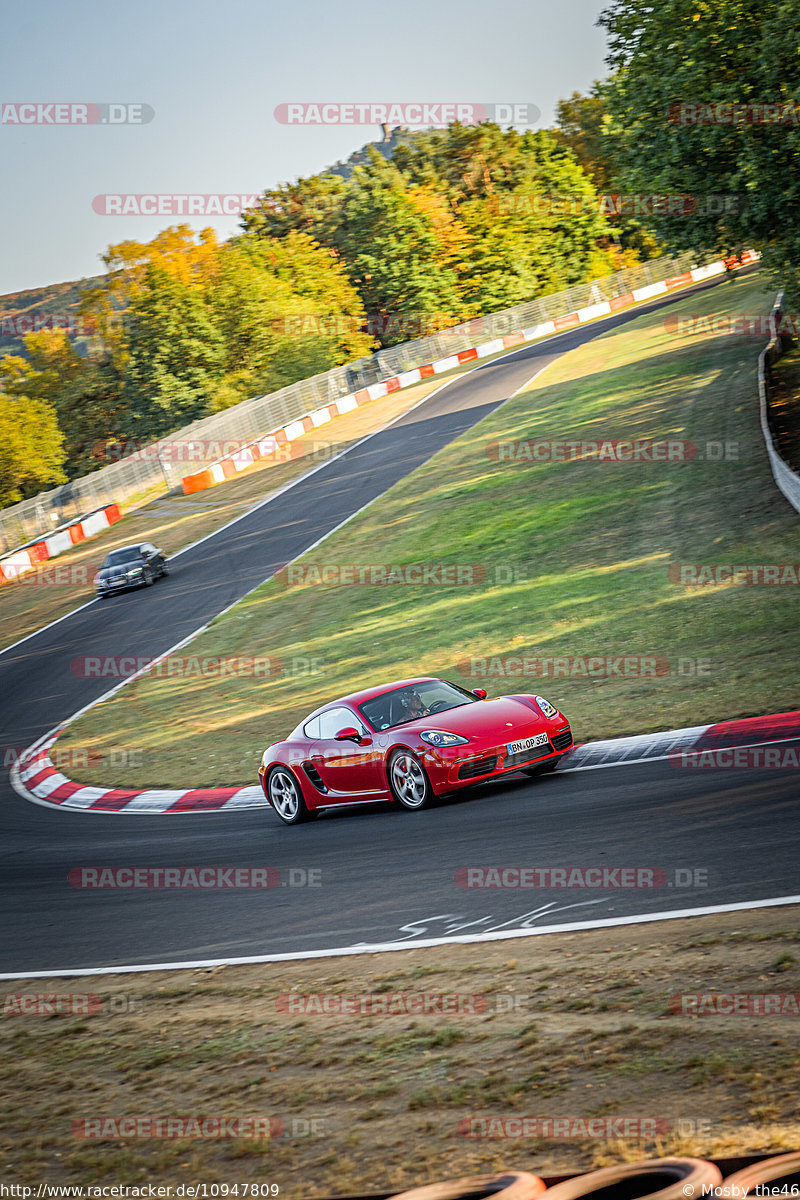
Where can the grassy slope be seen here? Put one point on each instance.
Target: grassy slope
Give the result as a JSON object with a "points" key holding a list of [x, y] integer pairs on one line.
{"points": [[593, 540]]}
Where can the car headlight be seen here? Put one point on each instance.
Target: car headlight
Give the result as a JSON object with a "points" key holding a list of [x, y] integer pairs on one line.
{"points": [[437, 737], [546, 707], [134, 571]]}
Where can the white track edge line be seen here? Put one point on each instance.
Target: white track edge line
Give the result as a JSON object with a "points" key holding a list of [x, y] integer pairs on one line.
{"points": [[411, 944]]}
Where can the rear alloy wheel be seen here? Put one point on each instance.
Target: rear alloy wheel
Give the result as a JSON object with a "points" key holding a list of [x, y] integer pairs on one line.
{"points": [[543, 770], [164, 569], [286, 797], [408, 782]]}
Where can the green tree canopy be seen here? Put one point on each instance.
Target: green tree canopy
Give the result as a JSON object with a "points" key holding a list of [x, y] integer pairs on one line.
{"points": [[176, 357], [85, 393], [696, 54], [31, 448]]}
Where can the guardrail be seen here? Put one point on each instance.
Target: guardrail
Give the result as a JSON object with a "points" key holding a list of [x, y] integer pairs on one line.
{"points": [[211, 438], [786, 479]]}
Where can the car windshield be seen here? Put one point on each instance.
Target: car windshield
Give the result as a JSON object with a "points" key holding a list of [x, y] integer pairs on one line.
{"points": [[118, 558], [413, 701]]}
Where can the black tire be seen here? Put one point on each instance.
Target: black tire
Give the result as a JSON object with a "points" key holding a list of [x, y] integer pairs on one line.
{"points": [[286, 797], [408, 781], [544, 769], [164, 569], [148, 577]]}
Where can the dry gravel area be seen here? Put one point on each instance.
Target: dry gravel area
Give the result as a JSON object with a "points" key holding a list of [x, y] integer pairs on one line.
{"points": [[574, 1028]]}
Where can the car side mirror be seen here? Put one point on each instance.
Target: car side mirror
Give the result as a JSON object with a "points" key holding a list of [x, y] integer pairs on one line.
{"points": [[349, 734], [480, 693]]}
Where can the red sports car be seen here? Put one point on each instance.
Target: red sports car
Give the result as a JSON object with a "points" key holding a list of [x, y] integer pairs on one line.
{"points": [[408, 741]]}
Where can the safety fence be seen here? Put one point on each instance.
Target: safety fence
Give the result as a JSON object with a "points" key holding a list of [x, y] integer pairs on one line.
{"points": [[159, 466]]}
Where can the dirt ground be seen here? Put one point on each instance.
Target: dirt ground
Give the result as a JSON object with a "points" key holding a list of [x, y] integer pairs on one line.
{"points": [[369, 1073]]}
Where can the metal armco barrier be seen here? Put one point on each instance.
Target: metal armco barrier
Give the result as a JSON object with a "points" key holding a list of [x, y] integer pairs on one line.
{"points": [[786, 479], [162, 464]]}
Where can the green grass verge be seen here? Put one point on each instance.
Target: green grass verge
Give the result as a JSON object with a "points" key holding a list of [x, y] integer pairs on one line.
{"points": [[576, 554]]}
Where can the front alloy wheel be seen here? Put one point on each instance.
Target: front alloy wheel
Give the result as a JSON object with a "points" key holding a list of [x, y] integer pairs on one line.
{"points": [[286, 797], [409, 784]]}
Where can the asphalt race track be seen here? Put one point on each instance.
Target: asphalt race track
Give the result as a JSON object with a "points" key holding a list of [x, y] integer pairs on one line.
{"points": [[383, 875]]}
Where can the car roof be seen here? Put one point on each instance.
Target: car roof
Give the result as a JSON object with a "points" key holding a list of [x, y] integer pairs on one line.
{"points": [[356, 698], [134, 546]]}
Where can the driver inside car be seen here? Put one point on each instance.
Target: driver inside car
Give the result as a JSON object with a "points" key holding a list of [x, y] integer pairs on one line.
{"points": [[414, 707]]}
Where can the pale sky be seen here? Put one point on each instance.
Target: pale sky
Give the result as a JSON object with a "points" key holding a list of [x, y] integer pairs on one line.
{"points": [[213, 75]]}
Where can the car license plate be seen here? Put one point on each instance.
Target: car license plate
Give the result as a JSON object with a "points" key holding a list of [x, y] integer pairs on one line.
{"points": [[530, 743]]}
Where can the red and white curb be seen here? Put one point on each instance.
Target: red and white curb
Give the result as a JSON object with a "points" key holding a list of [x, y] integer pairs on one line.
{"points": [[37, 779]]}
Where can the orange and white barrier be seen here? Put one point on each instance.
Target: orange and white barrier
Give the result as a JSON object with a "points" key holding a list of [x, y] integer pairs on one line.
{"points": [[27, 559]]}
